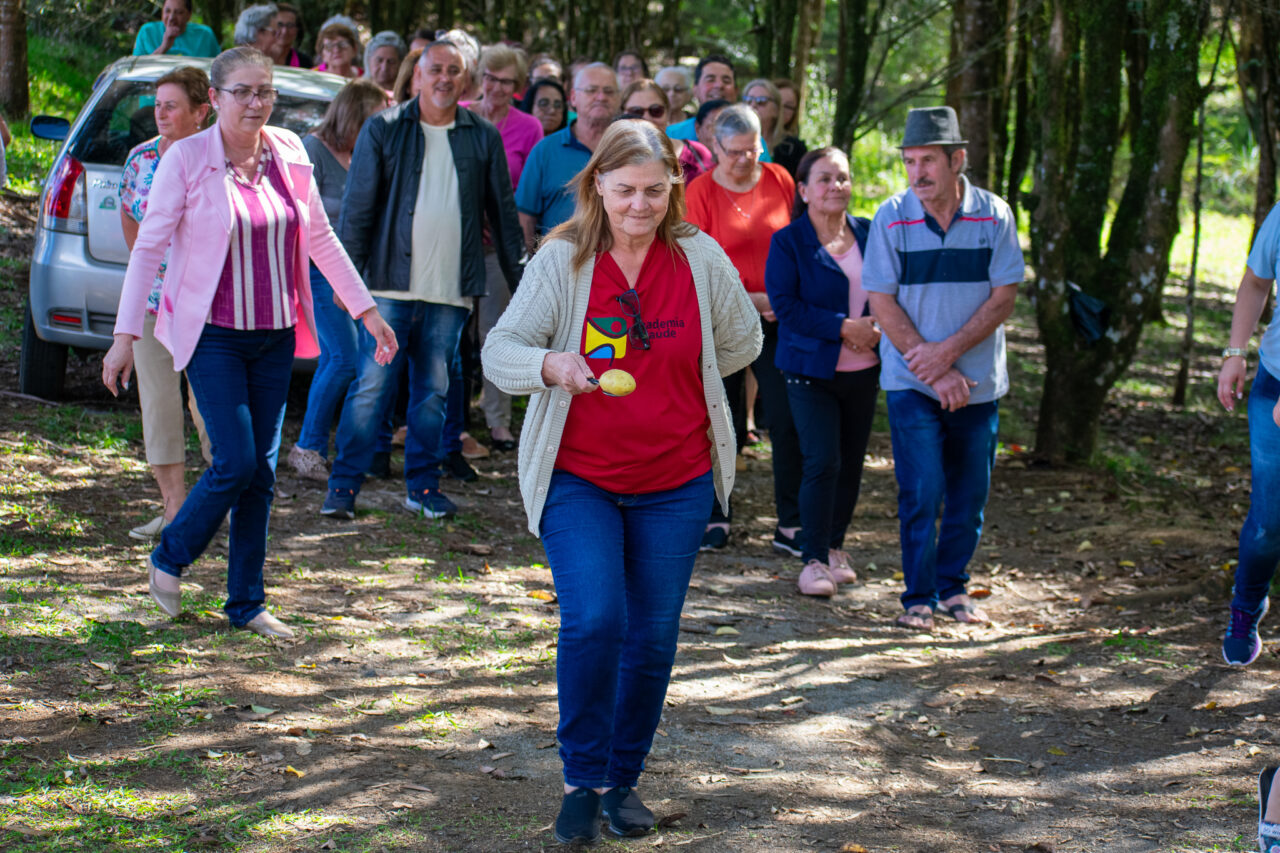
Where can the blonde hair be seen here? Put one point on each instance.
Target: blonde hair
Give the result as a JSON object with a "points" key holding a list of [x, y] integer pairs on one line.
{"points": [[496, 57], [769, 133], [627, 142]]}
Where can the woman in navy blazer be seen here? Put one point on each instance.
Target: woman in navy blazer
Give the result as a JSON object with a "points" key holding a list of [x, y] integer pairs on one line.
{"points": [[827, 352]]}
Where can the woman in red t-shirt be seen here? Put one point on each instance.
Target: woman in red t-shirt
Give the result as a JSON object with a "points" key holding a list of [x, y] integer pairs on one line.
{"points": [[617, 487], [741, 203]]}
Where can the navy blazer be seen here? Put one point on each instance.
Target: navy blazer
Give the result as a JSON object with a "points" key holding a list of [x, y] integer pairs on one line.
{"points": [[810, 294]]}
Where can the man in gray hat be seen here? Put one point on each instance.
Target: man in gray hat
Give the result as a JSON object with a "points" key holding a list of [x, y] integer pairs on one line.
{"points": [[941, 270]]}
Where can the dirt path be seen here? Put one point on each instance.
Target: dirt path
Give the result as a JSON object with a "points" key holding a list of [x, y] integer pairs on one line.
{"points": [[417, 712]]}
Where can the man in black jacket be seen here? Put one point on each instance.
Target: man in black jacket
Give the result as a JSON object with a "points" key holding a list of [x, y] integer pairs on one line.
{"points": [[425, 178]]}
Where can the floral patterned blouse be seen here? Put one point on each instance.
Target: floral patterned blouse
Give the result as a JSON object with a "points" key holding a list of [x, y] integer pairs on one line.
{"points": [[135, 186]]}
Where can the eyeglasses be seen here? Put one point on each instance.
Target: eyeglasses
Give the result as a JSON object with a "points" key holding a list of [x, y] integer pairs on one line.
{"points": [[757, 100], [244, 95], [738, 154], [504, 82], [637, 334], [336, 45], [679, 90], [281, 25], [629, 69], [654, 111], [548, 104], [592, 91]]}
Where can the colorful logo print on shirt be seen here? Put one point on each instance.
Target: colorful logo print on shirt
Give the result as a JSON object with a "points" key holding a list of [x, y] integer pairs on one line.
{"points": [[606, 337]]}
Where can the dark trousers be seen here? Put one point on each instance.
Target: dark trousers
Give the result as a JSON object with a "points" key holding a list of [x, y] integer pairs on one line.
{"points": [[787, 461], [833, 421]]}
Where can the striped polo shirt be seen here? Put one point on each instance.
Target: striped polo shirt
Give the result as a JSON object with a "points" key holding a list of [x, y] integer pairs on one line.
{"points": [[941, 278]]}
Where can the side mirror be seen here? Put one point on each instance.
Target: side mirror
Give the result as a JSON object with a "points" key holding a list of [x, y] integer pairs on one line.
{"points": [[50, 127]]}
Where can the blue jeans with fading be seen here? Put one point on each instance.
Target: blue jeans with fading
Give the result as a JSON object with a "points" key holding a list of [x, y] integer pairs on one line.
{"points": [[621, 565], [241, 381], [428, 337], [339, 349], [943, 462], [1260, 535]]}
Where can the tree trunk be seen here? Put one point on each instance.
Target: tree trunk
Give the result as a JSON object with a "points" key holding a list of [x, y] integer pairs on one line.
{"points": [[1072, 204], [976, 46], [808, 35], [1258, 75], [14, 98], [854, 52], [1020, 150]]}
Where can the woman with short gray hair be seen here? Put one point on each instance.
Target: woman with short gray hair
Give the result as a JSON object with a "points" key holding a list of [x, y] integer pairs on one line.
{"points": [[382, 57], [256, 27], [741, 203]]}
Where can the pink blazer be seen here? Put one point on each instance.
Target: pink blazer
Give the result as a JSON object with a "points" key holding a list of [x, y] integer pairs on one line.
{"points": [[190, 209]]}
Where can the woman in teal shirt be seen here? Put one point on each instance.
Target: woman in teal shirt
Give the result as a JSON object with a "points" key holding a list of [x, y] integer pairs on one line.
{"points": [[175, 35]]}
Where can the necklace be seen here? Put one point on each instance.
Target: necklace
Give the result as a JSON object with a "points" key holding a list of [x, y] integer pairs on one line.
{"points": [[264, 157], [745, 214]]}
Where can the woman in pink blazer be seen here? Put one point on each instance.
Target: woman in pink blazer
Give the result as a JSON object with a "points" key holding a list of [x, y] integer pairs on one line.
{"points": [[239, 208]]}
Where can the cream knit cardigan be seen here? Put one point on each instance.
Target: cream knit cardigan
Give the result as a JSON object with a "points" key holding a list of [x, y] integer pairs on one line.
{"points": [[547, 314]]}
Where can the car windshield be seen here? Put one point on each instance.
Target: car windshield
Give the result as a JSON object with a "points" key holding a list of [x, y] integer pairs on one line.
{"points": [[125, 116]]}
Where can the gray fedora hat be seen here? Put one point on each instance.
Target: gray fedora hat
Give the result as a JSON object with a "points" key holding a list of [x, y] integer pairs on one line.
{"points": [[932, 126]]}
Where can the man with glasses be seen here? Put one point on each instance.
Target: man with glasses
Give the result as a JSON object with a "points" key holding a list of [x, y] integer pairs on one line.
{"points": [[426, 177], [543, 197]]}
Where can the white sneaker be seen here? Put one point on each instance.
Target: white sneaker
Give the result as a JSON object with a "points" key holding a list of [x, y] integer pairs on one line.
{"points": [[150, 531]]}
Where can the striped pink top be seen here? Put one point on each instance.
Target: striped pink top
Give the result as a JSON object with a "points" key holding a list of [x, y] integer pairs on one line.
{"points": [[257, 287]]}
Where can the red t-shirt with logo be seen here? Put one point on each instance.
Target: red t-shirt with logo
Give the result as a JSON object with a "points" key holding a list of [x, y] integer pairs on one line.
{"points": [[656, 438]]}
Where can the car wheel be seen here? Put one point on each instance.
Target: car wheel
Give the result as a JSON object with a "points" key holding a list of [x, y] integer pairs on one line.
{"points": [[42, 368]]}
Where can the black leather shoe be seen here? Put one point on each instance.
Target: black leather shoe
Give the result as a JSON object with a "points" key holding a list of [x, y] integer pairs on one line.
{"points": [[503, 445], [628, 817], [459, 468], [579, 818]]}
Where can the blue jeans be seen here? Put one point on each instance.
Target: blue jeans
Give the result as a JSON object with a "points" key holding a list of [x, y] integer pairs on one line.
{"points": [[621, 565], [428, 337], [940, 457], [455, 414], [1260, 535], [339, 346], [833, 420], [241, 382]]}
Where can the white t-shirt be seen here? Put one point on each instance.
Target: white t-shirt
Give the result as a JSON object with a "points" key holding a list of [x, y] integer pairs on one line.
{"points": [[435, 266]]}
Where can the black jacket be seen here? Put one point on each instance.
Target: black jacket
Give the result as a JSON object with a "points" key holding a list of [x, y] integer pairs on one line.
{"points": [[376, 226]]}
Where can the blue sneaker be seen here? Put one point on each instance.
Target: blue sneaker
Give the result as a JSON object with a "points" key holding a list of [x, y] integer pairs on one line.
{"points": [[1241, 645], [430, 503], [339, 503]]}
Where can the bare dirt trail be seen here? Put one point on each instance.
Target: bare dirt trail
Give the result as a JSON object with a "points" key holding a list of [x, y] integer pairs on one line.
{"points": [[417, 711]]}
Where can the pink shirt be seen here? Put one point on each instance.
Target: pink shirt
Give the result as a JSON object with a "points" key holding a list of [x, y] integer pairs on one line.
{"points": [[851, 264], [520, 132], [257, 287]]}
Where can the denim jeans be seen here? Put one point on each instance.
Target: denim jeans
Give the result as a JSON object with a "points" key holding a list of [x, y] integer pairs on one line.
{"points": [[788, 464], [455, 410], [339, 346], [621, 565], [833, 421], [241, 382], [943, 464], [428, 337], [1260, 535]]}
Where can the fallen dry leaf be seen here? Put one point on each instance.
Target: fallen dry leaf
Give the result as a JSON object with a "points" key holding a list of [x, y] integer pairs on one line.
{"points": [[410, 786], [851, 847], [719, 712], [293, 771], [480, 550], [1086, 545], [670, 820], [303, 748], [1056, 750], [542, 595]]}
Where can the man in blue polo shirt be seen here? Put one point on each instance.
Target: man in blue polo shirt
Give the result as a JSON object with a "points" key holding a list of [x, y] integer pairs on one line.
{"points": [[175, 35], [942, 269], [544, 198]]}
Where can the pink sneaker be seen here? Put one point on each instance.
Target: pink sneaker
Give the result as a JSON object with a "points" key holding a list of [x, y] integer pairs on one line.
{"points": [[815, 579], [839, 568]]}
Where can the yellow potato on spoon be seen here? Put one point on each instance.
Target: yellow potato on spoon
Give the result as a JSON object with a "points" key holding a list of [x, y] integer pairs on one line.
{"points": [[616, 383]]}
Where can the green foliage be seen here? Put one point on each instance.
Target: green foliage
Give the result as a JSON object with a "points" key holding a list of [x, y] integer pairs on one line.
{"points": [[61, 78]]}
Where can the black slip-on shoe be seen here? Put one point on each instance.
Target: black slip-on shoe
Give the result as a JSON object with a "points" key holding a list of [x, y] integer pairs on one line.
{"points": [[457, 467], [579, 818], [628, 817]]}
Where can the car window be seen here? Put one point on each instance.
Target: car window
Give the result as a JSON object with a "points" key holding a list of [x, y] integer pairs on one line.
{"points": [[124, 116]]}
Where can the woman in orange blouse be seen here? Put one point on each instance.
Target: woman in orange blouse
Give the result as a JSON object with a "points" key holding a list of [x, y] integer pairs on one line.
{"points": [[741, 203]]}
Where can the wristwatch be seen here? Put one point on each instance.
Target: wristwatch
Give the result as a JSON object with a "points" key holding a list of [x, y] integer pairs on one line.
{"points": [[1230, 351]]}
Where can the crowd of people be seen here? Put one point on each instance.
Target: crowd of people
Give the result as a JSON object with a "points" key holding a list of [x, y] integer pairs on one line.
{"points": [[586, 218]]}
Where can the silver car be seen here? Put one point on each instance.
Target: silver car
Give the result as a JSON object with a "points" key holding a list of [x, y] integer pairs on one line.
{"points": [[78, 264]]}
